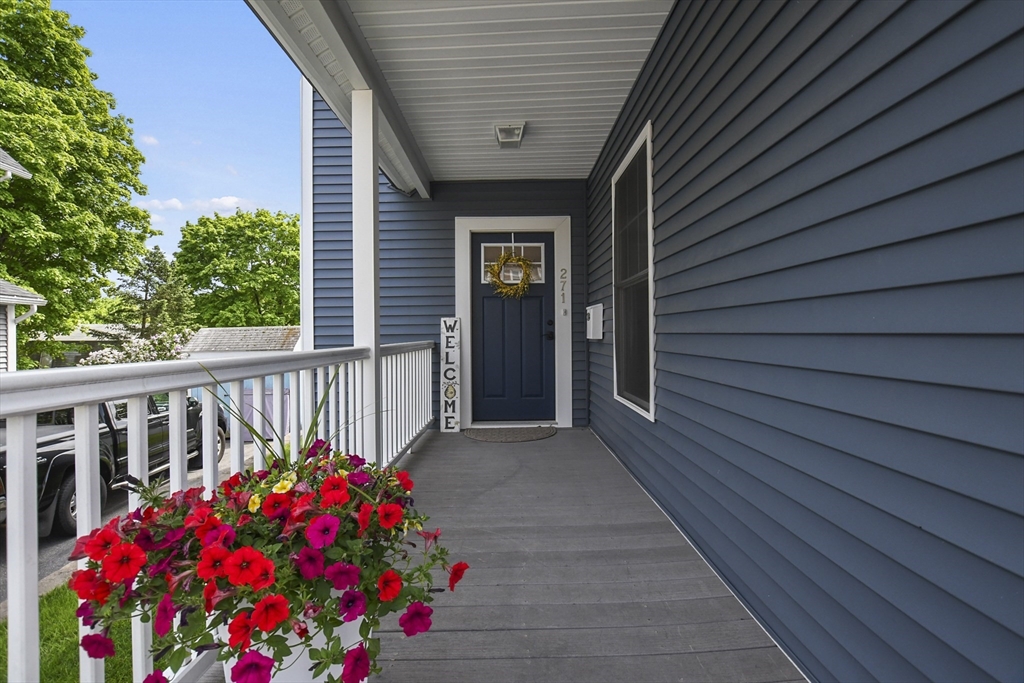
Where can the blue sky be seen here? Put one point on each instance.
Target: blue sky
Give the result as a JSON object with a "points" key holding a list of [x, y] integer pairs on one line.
{"points": [[215, 103]]}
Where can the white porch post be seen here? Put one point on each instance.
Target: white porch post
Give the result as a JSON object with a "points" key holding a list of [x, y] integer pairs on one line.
{"points": [[366, 264]]}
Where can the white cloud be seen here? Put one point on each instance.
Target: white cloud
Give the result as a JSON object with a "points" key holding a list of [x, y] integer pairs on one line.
{"points": [[226, 203], [231, 169], [150, 140], [156, 218], [162, 205]]}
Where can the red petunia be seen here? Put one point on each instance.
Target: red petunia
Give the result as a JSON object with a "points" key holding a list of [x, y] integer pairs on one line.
{"points": [[365, 513], [211, 562], [240, 631], [455, 574], [264, 576], [211, 523], [334, 491], [404, 480], [244, 566], [89, 586], [389, 585], [269, 612], [123, 562], [101, 544], [390, 514], [198, 516], [277, 506]]}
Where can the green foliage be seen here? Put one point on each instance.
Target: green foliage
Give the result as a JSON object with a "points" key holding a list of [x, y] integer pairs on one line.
{"points": [[242, 268], [73, 221], [58, 638], [151, 300]]}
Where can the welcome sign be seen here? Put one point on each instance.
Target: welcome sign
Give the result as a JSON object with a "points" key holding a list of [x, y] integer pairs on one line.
{"points": [[451, 389]]}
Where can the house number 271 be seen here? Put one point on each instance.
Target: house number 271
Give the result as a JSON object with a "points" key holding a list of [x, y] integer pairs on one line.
{"points": [[563, 277]]}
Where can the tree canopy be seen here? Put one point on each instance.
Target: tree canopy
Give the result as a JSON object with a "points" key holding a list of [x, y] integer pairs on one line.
{"points": [[151, 300], [62, 230], [243, 268]]}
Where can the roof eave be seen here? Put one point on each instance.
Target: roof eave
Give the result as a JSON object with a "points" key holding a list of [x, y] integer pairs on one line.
{"points": [[348, 55]]}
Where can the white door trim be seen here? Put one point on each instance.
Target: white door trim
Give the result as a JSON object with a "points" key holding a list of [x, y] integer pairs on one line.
{"points": [[561, 227]]}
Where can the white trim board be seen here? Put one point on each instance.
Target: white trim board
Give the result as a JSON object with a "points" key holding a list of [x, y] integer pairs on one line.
{"points": [[306, 221], [561, 227]]}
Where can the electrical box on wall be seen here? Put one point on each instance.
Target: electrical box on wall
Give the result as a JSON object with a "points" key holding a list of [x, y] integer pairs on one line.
{"points": [[595, 322]]}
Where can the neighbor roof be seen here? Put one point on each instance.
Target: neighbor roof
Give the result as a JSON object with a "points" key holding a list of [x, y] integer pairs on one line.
{"points": [[243, 339], [13, 294], [7, 163]]}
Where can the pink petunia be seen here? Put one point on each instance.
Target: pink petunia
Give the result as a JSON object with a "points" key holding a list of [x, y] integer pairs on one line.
{"points": [[342, 575], [357, 665], [416, 619], [322, 531], [310, 563], [252, 668], [165, 612], [352, 605], [155, 677], [97, 646]]}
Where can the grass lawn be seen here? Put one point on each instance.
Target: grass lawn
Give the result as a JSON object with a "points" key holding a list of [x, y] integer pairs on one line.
{"points": [[58, 636]]}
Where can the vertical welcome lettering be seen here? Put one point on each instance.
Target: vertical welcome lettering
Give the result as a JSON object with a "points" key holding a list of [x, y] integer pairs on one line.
{"points": [[451, 389]]}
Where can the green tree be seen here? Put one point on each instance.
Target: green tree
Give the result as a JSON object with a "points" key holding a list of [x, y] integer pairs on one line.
{"points": [[243, 269], [62, 230], [150, 300]]}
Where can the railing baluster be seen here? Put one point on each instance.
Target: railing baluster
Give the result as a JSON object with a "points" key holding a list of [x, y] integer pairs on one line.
{"points": [[333, 407], [321, 392], [296, 427], [177, 409], [87, 511], [138, 467], [237, 440], [259, 406], [279, 413], [23, 544], [211, 454]]}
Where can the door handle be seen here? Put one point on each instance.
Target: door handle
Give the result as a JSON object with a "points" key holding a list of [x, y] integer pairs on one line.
{"points": [[549, 335]]}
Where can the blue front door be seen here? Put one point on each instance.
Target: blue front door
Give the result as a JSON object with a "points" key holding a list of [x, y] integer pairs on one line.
{"points": [[513, 339]]}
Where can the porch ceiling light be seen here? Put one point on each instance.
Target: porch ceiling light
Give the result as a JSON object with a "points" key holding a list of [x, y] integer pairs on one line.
{"points": [[509, 134]]}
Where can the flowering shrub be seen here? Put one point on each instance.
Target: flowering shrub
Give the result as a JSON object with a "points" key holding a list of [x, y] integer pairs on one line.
{"points": [[163, 346], [299, 548]]}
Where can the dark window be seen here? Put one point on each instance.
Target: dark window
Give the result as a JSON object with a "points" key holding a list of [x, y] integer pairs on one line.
{"points": [[632, 293]]}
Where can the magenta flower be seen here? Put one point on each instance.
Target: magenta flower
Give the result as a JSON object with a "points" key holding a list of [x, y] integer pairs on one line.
{"points": [[319, 446], [97, 646], [416, 619], [155, 677], [343, 575], [357, 665], [359, 478], [223, 535], [165, 612], [163, 566], [322, 531], [252, 668], [356, 461], [352, 605], [84, 612], [310, 563]]}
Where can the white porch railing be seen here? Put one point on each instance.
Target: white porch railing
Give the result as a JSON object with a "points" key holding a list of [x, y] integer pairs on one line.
{"points": [[405, 412]]}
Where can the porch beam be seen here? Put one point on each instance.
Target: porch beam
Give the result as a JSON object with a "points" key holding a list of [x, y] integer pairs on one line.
{"points": [[366, 264], [331, 23]]}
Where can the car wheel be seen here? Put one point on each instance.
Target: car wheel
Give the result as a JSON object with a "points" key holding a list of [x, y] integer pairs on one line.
{"points": [[196, 462], [66, 520]]}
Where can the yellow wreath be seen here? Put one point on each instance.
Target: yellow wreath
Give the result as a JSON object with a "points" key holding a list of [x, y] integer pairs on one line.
{"points": [[503, 289]]}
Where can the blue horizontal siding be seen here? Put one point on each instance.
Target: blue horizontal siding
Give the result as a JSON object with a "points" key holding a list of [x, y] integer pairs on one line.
{"points": [[839, 285]]}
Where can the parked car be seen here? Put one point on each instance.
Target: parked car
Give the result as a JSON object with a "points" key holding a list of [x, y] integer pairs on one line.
{"points": [[55, 455]]}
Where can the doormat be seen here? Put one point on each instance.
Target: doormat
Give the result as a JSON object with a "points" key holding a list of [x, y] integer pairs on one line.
{"points": [[510, 434]]}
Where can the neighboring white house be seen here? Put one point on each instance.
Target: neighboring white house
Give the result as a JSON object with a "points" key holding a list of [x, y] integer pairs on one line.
{"points": [[10, 296], [9, 167]]}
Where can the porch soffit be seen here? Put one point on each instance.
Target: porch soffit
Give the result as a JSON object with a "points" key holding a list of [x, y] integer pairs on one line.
{"points": [[451, 69]]}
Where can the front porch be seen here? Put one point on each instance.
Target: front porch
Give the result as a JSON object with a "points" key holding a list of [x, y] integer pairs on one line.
{"points": [[576, 575]]}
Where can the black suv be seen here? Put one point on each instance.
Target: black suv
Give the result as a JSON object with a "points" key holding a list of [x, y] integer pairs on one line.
{"points": [[55, 455]]}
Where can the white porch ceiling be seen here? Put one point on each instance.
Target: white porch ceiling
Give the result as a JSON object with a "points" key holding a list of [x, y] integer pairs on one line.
{"points": [[449, 70]]}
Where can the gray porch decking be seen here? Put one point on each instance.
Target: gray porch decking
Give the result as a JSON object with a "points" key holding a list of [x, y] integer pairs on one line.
{"points": [[575, 575]]}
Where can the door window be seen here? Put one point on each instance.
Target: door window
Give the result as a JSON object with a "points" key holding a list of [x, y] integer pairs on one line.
{"points": [[510, 274]]}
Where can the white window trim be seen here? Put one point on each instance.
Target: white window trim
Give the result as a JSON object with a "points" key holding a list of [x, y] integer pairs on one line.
{"points": [[644, 140], [464, 275]]}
